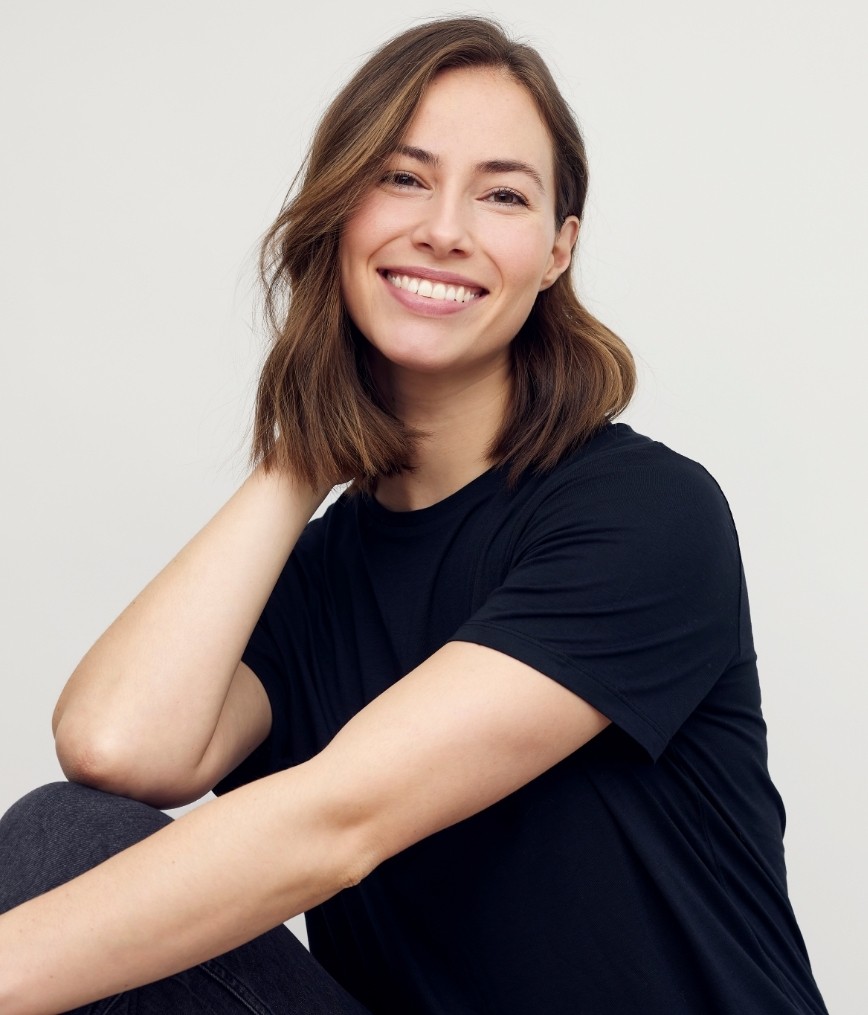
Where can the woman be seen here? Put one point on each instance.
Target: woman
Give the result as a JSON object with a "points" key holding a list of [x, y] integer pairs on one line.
{"points": [[493, 721]]}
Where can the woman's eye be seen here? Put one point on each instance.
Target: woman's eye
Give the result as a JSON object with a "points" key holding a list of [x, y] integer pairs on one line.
{"points": [[503, 195], [397, 178]]}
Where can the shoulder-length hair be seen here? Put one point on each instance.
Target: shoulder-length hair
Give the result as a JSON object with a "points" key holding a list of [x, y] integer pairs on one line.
{"points": [[319, 413]]}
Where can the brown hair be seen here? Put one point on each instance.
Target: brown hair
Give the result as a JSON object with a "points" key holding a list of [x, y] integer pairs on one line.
{"points": [[318, 411]]}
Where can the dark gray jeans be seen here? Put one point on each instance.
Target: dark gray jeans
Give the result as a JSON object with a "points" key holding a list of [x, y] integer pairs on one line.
{"points": [[62, 830]]}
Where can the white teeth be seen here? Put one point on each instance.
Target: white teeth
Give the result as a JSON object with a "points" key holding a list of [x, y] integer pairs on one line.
{"points": [[435, 290]]}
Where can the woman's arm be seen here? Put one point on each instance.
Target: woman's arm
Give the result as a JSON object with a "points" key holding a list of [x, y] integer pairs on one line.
{"points": [[467, 727], [159, 708]]}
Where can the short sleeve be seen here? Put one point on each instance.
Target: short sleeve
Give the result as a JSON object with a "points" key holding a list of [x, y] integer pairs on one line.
{"points": [[624, 586], [274, 651]]}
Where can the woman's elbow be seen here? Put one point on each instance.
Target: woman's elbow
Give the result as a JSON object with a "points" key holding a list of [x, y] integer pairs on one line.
{"points": [[107, 764], [85, 760]]}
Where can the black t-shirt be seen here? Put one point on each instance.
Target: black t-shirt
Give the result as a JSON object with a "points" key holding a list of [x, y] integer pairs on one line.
{"points": [[645, 872]]}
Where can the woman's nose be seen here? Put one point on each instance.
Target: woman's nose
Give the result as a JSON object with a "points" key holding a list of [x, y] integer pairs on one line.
{"points": [[444, 227]]}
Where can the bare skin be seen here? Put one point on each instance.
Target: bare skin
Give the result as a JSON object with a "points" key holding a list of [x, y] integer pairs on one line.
{"points": [[161, 709]]}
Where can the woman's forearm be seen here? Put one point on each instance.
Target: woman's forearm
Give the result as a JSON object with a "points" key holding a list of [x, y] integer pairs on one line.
{"points": [[215, 878], [150, 691]]}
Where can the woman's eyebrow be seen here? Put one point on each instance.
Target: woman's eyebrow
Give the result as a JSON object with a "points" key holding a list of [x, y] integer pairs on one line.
{"points": [[511, 166], [489, 166]]}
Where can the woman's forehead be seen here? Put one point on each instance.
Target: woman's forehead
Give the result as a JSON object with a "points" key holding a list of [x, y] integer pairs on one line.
{"points": [[480, 116]]}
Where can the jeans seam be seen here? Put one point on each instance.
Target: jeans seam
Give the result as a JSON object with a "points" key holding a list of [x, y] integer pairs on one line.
{"points": [[220, 974], [111, 1004]]}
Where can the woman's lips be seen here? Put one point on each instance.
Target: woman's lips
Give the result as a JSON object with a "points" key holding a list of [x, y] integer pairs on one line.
{"points": [[434, 293], [433, 274]]}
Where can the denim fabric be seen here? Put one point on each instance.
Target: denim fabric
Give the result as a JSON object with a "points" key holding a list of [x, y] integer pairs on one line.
{"points": [[63, 829]]}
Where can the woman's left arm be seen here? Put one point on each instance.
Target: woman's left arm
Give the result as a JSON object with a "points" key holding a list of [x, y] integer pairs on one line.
{"points": [[466, 728]]}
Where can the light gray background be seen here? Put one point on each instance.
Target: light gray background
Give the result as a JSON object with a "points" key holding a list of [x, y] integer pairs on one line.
{"points": [[145, 147]]}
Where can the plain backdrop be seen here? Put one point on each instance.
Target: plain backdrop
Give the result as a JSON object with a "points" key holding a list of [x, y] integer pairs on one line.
{"points": [[145, 148]]}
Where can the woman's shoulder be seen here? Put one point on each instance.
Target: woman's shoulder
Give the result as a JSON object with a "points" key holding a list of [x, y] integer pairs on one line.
{"points": [[618, 445], [622, 474], [618, 452]]}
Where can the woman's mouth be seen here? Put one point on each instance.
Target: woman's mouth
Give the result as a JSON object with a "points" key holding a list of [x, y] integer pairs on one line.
{"points": [[433, 290]]}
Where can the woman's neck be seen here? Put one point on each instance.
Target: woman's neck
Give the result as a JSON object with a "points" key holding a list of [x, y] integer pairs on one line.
{"points": [[461, 419]]}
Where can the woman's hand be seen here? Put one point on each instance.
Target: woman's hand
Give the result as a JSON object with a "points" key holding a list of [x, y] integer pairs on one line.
{"points": [[160, 708]]}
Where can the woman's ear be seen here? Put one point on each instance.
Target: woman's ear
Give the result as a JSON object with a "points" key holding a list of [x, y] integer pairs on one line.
{"points": [[561, 251]]}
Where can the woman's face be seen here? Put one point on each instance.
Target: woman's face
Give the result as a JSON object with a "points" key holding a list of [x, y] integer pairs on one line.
{"points": [[442, 262]]}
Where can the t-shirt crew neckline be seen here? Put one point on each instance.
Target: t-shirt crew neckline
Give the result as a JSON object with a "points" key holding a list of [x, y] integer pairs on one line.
{"points": [[434, 514]]}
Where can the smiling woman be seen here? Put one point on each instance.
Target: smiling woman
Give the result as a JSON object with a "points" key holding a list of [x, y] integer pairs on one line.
{"points": [[450, 126], [493, 721], [474, 236]]}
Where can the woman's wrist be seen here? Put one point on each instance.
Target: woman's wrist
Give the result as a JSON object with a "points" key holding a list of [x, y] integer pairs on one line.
{"points": [[297, 491]]}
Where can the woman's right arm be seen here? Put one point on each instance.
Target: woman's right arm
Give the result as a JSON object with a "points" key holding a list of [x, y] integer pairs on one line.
{"points": [[160, 708]]}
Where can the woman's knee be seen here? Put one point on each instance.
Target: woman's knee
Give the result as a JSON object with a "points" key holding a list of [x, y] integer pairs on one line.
{"points": [[61, 830]]}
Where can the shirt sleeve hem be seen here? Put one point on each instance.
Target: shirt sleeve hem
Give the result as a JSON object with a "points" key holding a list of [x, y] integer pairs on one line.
{"points": [[603, 697], [262, 759]]}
